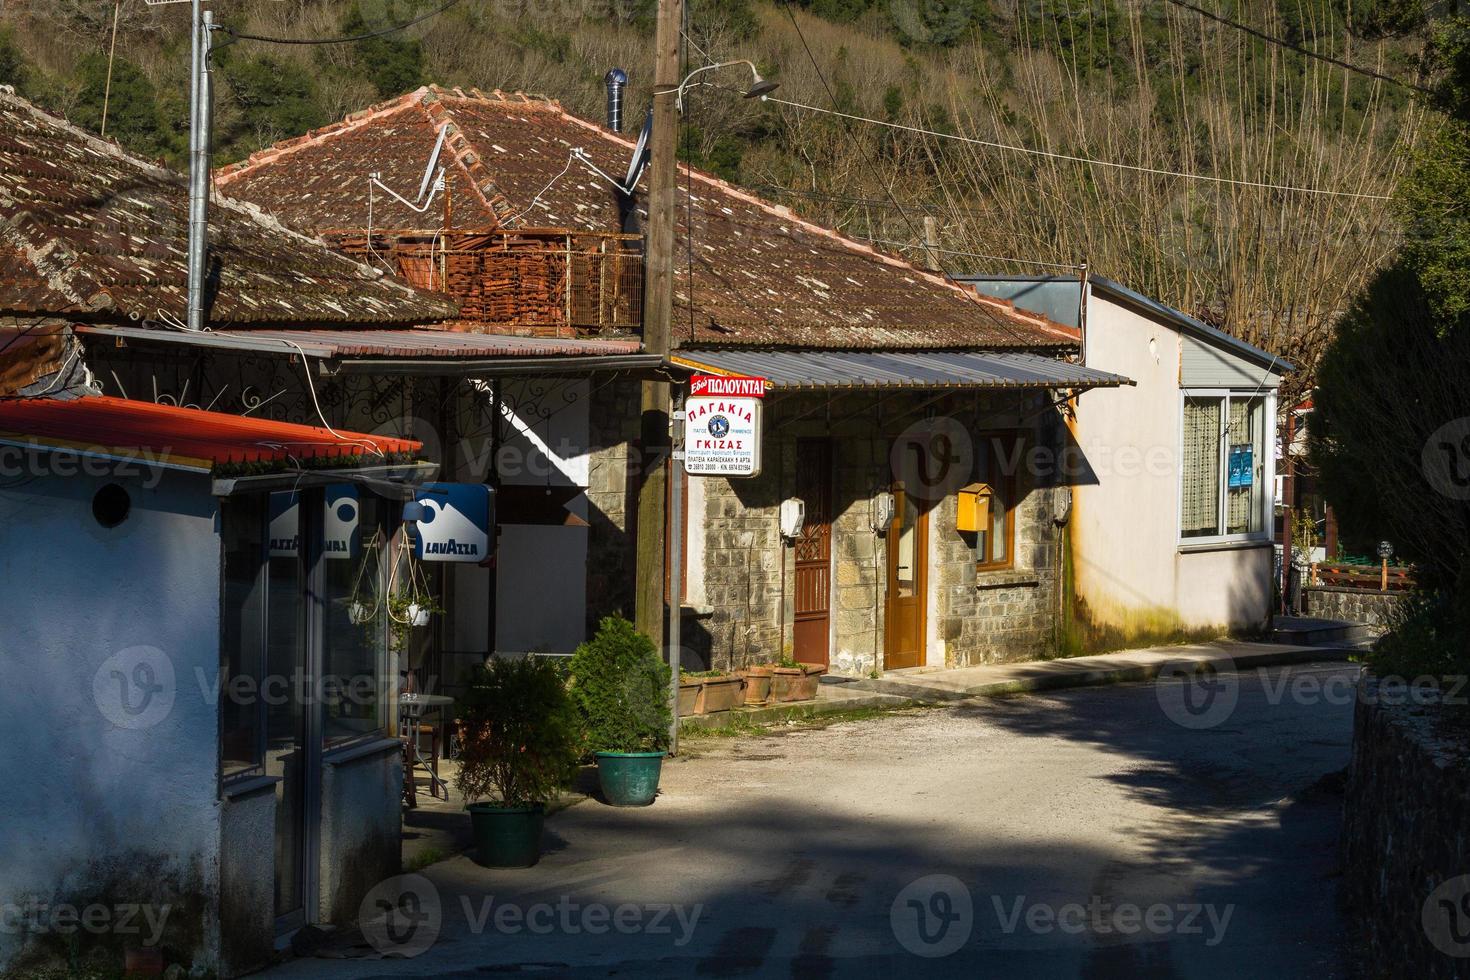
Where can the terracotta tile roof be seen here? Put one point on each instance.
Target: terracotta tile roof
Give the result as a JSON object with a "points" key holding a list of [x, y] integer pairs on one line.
{"points": [[185, 437], [761, 275], [86, 228]]}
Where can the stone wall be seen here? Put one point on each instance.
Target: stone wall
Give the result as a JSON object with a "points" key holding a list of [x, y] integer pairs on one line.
{"points": [[612, 467], [1367, 606], [1406, 836], [742, 577]]}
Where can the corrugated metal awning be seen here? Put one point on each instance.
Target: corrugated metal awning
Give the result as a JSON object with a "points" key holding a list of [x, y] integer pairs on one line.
{"points": [[919, 370], [420, 351]]}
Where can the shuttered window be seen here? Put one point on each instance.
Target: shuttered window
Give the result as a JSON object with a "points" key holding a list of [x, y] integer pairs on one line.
{"points": [[1199, 510]]}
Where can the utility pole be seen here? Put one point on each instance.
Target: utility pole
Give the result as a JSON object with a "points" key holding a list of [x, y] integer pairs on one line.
{"points": [[199, 140], [658, 314]]}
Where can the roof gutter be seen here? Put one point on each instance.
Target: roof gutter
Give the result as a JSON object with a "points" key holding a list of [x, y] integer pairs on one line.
{"points": [[649, 365]]}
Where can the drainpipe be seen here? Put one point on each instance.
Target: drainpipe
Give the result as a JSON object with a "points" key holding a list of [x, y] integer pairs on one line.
{"points": [[616, 79]]}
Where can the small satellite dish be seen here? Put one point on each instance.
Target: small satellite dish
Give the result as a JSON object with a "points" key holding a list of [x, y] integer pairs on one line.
{"points": [[641, 154]]}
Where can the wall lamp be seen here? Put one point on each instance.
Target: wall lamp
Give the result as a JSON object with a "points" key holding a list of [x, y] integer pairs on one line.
{"points": [[759, 87]]}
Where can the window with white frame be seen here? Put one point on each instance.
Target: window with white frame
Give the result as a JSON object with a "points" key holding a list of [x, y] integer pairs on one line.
{"points": [[1224, 478]]}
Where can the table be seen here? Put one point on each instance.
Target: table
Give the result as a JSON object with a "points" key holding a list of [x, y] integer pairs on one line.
{"points": [[411, 708]]}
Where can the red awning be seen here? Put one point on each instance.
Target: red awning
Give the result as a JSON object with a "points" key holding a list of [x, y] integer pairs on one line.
{"points": [[182, 438]]}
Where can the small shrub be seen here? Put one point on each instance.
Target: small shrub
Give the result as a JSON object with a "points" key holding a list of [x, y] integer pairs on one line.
{"points": [[520, 733], [1426, 638], [620, 686]]}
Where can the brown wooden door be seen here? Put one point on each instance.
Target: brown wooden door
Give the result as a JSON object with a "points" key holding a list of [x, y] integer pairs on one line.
{"points": [[814, 552], [908, 557]]}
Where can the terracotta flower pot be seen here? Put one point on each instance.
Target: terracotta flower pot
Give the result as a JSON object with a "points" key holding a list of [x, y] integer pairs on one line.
{"points": [[757, 684], [723, 693], [787, 683], [691, 697]]}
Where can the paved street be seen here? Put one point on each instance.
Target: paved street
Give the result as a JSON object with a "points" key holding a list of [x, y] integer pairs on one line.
{"points": [[1087, 833]]}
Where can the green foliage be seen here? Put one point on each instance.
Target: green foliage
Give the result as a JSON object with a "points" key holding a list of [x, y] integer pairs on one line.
{"points": [[620, 686], [1395, 373], [12, 62], [1426, 639], [133, 114], [394, 63], [520, 733], [276, 99]]}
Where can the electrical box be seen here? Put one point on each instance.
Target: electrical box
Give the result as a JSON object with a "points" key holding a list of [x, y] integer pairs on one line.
{"points": [[974, 508], [883, 508], [793, 517]]}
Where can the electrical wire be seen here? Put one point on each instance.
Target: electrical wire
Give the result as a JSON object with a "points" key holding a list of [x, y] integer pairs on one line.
{"points": [[570, 158], [1290, 188], [310, 387], [242, 36], [1282, 42], [976, 255]]}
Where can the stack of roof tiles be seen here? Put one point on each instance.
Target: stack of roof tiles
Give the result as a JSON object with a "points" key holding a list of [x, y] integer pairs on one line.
{"points": [[748, 272]]}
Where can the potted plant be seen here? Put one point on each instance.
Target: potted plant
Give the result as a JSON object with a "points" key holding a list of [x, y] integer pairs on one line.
{"points": [[793, 681], [722, 691], [757, 683], [620, 686], [691, 694], [519, 748]]}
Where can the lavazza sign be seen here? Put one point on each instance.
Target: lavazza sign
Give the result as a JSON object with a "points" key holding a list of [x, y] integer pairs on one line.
{"points": [[722, 426]]}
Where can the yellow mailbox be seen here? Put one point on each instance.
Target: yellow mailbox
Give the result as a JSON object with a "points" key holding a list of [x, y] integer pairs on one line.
{"points": [[974, 508]]}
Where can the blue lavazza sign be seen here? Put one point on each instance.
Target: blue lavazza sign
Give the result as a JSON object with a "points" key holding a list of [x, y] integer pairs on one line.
{"points": [[339, 523], [456, 522]]}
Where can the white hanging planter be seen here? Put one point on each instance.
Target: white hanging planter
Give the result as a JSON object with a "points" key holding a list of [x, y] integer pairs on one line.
{"points": [[359, 613], [417, 615]]}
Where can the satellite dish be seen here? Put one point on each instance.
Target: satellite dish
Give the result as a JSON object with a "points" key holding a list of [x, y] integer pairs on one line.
{"points": [[641, 154]]}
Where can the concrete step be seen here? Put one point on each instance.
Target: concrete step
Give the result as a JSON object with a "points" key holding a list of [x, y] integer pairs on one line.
{"points": [[1305, 631]]}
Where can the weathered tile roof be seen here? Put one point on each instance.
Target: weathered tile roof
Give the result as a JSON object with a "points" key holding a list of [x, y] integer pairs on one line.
{"points": [[90, 231], [760, 275]]}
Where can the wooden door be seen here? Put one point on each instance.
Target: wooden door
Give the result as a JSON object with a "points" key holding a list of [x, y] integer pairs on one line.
{"points": [[814, 552], [908, 558]]}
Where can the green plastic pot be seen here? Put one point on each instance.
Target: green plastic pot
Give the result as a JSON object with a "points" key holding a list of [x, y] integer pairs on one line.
{"points": [[507, 836], [629, 778]]}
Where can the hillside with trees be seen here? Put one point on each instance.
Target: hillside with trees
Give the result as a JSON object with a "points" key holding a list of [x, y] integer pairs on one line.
{"points": [[1039, 133]]}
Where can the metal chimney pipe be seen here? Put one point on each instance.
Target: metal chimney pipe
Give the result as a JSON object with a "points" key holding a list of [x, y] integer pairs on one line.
{"points": [[616, 79]]}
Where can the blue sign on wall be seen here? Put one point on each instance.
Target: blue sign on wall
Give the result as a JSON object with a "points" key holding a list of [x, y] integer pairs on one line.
{"points": [[1242, 466], [456, 524]]}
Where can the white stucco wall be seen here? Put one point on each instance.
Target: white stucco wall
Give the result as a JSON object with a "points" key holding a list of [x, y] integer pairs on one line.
{"points": [[1127, 564], [99, 804]]}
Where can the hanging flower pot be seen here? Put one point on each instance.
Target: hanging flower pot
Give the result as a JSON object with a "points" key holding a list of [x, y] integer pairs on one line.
{"points": [[418, 615], [360, 613]]}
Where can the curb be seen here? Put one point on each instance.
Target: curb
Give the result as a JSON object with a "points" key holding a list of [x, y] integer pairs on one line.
{"points": [[900, 694]]}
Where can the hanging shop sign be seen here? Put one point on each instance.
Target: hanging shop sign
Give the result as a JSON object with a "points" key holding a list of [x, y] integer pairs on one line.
{"points": [[339, 522], [456, 523], [722, 426]]}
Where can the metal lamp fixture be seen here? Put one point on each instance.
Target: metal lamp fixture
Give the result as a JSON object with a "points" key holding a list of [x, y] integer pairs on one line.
{"points": [[760, 87]]}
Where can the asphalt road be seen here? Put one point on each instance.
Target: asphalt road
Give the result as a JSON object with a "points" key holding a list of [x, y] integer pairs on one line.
{"points": [[1145, 830]]}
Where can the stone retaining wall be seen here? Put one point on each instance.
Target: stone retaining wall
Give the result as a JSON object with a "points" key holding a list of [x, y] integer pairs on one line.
{"points": [[1406, 837], [1367, 606]]}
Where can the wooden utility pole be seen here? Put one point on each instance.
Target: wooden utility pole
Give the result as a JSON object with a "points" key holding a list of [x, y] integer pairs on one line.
{"points": [[658, 314]]}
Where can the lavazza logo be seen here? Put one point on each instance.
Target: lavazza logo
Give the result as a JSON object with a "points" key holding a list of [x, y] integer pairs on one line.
{"points": [[451, 547]]}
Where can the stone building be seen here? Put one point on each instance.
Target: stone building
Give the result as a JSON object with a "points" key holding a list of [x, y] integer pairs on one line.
{"points": [[756, 279]]}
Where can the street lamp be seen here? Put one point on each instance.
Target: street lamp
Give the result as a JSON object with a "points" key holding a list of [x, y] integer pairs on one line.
{"points": [[759, 87]]}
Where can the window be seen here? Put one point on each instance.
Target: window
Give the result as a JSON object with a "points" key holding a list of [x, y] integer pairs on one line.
{"points": [[997, 458], [357, 683], [1223, 466], [242, 627]]}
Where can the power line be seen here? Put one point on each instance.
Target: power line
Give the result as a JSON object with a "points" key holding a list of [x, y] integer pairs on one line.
{"points": [[913, 229], [1076, 159], [977, 255], [1282, 42], [240, 36]]}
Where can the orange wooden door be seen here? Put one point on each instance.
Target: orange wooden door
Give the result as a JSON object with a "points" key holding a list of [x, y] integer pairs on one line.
{"points": [[812, 628], [908, 557]]}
